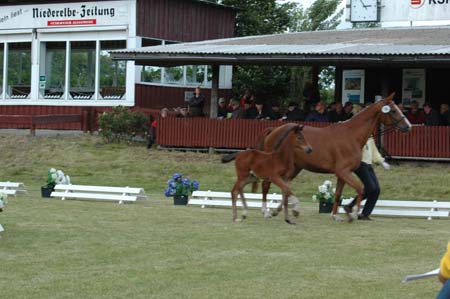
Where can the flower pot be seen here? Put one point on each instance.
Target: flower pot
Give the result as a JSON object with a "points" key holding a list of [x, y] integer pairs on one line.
{"points": [[180, 200], [325, 207], [46, 191]]}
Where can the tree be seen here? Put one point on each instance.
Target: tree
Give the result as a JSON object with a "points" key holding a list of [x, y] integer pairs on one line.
{"points": [[259, 17]]}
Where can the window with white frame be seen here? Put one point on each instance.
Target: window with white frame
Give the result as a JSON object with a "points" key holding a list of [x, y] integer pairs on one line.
{"points": [[82, 70], [19, 70], [112, 72], [88, 68], [53, 65]]}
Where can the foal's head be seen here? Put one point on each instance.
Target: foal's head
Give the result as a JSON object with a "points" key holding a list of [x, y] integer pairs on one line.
{"points": [[392, 115], [301, 140]]}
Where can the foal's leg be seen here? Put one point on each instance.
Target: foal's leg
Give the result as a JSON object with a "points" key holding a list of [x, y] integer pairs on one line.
{"points": [[287, 196], [264, 209], [337, 195], [234, 194], [244, 203], [353, 182]]}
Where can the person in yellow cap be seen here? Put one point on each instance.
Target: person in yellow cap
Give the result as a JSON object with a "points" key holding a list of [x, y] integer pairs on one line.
{"points": [[444, 275]]}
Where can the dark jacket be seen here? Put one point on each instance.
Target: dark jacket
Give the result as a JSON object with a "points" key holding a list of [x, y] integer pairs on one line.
{"points": [[295, 115], [316, 116], [432, 118], [334, 117], [196, 105]]}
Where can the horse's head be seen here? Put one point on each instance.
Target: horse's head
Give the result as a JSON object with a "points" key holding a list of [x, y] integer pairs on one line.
{"points": [[302, 142], [391, 115]]}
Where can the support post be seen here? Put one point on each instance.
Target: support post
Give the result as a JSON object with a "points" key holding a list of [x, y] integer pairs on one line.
{"points": [[214, 91]]}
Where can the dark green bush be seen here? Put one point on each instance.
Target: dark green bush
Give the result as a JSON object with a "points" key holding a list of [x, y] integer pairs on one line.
{"points": [[122, 124]]}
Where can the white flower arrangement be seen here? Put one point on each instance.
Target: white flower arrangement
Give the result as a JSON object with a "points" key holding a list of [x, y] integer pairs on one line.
{"points": [[3, 200], [56, 177], [326, 192]]}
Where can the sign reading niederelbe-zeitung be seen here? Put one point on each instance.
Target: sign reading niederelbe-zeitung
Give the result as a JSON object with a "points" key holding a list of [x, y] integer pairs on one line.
{"points": [[65, 14], [414, 10]]}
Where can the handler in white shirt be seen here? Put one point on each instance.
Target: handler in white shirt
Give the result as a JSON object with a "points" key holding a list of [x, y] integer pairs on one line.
{"points": [[366, 174]]}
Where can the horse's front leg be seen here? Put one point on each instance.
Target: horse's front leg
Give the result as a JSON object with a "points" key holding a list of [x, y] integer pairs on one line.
{"points": [[353, 182], [337, 195], [287, 196], [234, 194]]}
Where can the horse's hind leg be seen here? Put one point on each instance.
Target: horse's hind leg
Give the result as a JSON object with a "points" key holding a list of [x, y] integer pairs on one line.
{"points": [[244, 204], [355, 184], [234, 193], [264, 209], [337, 195]]}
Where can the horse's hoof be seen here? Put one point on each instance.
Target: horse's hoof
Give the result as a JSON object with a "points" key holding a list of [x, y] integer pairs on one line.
{"points": [[337, 218], [289, 222], [237, 220], [295, 213], [244, 217], [267, 215], [275, 213]]}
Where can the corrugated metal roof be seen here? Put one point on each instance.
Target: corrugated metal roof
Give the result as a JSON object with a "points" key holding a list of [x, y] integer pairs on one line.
{"points": [[410, 41]]}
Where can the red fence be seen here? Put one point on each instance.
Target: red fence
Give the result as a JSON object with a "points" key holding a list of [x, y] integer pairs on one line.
{"points": [[421, 142], [33, 122], [219, 133]]}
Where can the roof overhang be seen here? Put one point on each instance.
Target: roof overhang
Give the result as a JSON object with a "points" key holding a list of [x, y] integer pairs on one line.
{"points": [[417, 46]]}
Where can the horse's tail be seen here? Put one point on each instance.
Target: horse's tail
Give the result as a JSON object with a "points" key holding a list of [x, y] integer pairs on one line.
{"points": [[283, 136], [261, 138], [229, 157]]}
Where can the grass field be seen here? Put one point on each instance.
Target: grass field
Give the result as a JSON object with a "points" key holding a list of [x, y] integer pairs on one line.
{"points": [[152, 249]]}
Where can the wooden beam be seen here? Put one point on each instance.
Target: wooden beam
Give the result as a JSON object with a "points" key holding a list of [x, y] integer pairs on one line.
{"points": [[214, 91]]}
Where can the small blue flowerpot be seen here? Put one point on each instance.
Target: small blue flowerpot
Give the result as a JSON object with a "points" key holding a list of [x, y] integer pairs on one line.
{"points": [[180, 200]]}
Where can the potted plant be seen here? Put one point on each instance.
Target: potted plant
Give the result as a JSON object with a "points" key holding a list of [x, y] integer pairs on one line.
{"points": [[54, 177], [180, 188], [325, 196]]}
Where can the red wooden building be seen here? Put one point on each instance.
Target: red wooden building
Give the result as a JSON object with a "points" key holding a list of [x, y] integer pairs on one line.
{"points": [[54, 55]]}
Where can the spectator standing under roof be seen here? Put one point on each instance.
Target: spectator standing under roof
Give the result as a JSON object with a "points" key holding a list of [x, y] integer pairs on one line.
{"points": [[319, 114], [294, 113], [414, 115], [431, 115], [183, 113], [348, 110], [196, 103], [336, 113], [222, 110], [247, 97], [275, 110], [250, 109], [444, 115], [153, 124], [237, 112]]}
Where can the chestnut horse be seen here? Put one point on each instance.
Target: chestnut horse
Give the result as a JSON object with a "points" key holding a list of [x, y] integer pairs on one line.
{"points": [[338, 147], [274, 167]]}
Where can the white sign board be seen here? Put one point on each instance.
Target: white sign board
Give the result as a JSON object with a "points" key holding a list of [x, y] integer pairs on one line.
{"points": [[413, 87], [414, 10], [98, 13], [353, 86]]}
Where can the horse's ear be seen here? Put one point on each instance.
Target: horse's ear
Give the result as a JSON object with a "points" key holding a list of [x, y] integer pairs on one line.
{"points": [[300, 127], [389, 98]]}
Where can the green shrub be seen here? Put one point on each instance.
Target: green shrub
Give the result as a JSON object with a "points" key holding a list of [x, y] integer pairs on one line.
{"points": [[122, 124]]}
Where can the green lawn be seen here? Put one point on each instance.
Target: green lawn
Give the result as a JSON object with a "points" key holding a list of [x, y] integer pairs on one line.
{"points": [[152, 249]]}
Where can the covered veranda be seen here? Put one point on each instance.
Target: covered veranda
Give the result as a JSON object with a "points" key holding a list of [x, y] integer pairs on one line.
{"points": [[382, 53]]}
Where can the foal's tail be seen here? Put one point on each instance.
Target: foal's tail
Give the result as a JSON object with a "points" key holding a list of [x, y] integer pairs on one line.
{"points": [[283, 136], [229, 157]]}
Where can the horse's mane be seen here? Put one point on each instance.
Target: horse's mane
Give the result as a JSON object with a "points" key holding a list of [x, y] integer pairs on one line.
{"points": [[261, 138], [283, 136]]}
